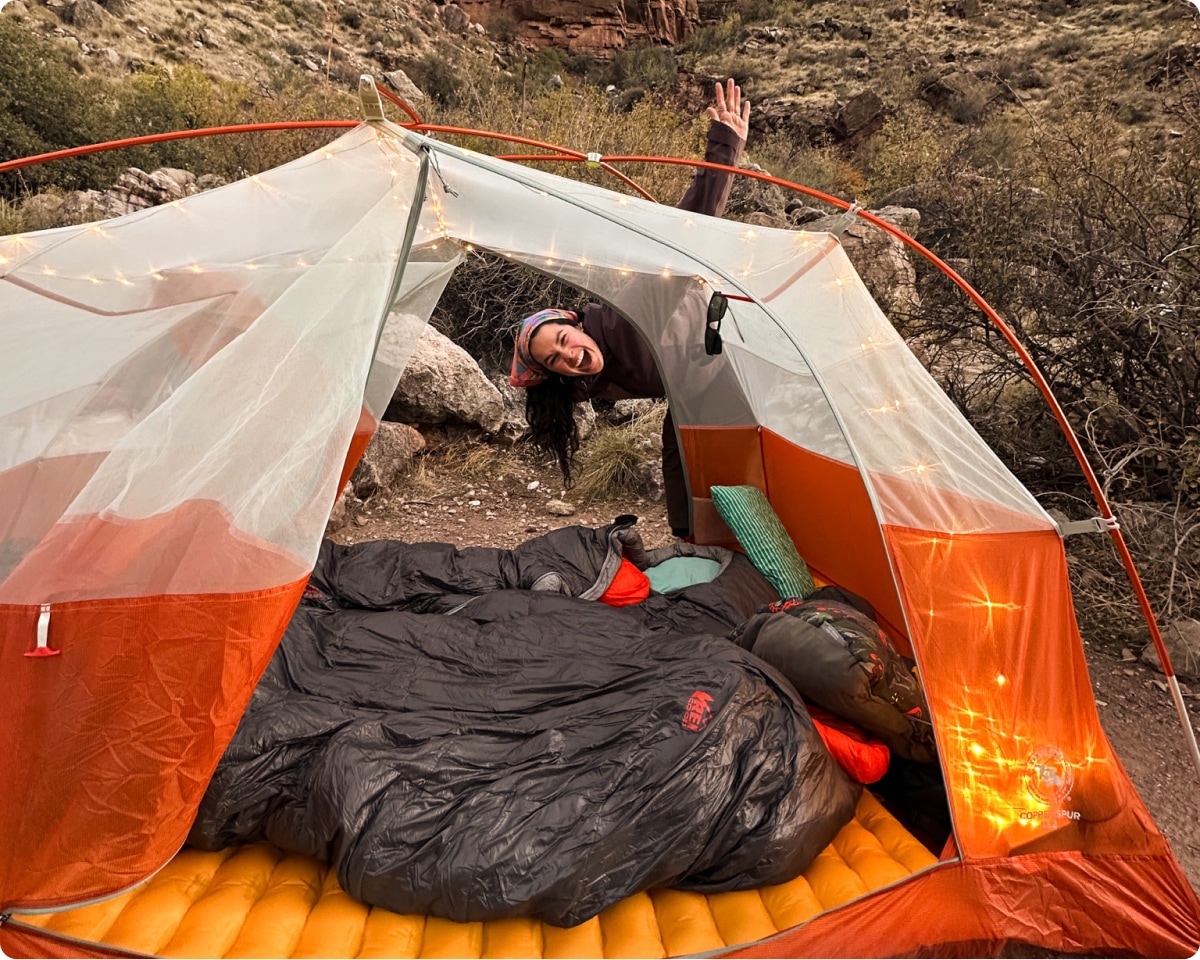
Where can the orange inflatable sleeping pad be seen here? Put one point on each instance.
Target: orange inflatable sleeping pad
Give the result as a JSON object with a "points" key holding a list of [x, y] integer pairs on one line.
{"points": [[256, 901]]}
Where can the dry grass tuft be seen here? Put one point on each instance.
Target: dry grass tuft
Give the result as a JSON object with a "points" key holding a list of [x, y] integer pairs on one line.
{"points": [[612, 461]]}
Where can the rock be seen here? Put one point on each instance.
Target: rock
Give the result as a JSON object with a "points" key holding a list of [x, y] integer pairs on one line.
{"points": [[83, 13], [598, 28], [1182, 640], [966, 9], [554, 82], [111, 56], [880, 259], [209, 181], [860, 117], [515, 425], [443, 384], [343, 510], [897, 13], [625, 410], [16, 9], [407, 90], [390, 451], [454, 18], [765, 201], [585, 419], [560, 508], [650, 480]]}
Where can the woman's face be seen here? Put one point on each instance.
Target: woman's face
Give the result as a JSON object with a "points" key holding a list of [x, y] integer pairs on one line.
{"points": [[566, 350]]}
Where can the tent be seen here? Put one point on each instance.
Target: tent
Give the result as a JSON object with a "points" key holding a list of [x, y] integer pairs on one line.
{"points": [[185, 388]]}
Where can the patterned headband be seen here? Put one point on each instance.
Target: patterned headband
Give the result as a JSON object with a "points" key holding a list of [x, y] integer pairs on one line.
{"points": [[527, 372]]}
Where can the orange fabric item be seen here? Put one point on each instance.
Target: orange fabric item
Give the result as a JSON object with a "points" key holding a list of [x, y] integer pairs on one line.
{"points": [[629, 586], [1027, 764], [124, 727], [862, 756], [364, 431]]}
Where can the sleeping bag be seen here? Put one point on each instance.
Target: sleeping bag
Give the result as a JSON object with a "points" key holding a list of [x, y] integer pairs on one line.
{"points": [[463, 734]]}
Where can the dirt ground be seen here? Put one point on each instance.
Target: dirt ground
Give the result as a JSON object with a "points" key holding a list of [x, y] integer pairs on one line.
{"points": [[503, 501]]}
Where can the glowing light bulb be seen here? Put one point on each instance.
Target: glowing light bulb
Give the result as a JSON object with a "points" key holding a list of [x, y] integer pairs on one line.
{"points": [[666, 271], [749, 235], [1001, 679], [49, 271], [689, 222], [196, 268], [158, 276], [252, 266], [93, 279]]}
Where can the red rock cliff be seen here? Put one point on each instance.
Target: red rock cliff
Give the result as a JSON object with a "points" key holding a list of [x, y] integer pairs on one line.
{"points": [[598, 28]]}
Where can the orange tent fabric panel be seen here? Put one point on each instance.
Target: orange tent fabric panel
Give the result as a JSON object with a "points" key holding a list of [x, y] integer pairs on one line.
{"points": [[1027, 764], [123, 728], [825, 508]]}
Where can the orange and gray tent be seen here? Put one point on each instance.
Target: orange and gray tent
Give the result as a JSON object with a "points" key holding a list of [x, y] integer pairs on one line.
{"points": [[183, 390]]}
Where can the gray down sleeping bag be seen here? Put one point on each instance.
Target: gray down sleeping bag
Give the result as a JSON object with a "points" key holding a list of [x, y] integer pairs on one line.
{"points": [[462, 735]]}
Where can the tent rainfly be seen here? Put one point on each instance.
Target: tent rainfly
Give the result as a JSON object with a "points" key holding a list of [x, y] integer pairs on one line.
{"points": [[184, 388]]}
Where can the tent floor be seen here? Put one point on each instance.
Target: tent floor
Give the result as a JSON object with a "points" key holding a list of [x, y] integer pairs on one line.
{"points": [[255, 901]]}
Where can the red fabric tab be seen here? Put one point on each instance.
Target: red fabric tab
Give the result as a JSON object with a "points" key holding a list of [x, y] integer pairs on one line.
{"points": [[863, 757], [629, 586]]}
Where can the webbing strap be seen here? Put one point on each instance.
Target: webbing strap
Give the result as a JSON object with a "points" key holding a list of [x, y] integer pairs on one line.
{"points": [[1092, 525], [841, 223]]}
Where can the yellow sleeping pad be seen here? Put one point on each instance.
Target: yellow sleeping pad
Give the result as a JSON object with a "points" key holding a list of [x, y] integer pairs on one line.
{"points": [[256, 901]]}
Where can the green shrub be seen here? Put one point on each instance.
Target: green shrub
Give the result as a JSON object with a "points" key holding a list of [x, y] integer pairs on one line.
{"points": [[650, 67]]}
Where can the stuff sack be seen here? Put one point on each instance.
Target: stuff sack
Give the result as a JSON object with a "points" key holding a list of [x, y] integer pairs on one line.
{"points": [[838, 658]]}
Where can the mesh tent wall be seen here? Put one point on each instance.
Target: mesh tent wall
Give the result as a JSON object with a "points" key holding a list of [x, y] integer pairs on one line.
{"points": [[174, 478]]}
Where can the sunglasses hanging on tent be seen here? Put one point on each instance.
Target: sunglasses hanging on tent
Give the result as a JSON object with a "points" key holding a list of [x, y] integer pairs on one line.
{"points": [[717, 308]]}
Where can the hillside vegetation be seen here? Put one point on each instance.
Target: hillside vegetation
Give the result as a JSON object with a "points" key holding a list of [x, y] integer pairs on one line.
{"points": [[1048, 145]]}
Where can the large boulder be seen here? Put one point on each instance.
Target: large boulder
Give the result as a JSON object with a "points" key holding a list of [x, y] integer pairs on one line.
{"points": [[1182, 640], [390, 451], [443, 384], [399, 81], [880, 259]]}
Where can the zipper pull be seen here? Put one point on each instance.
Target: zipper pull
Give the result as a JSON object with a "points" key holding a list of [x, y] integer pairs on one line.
{"points": [[43, 636]]}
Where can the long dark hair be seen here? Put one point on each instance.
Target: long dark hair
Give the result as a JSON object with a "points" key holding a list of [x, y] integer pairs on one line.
{"points": [[550, 410]]}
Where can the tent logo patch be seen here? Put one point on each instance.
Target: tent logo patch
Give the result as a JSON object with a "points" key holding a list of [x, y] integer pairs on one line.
{"points": [[697, 713], [1048, 775]]}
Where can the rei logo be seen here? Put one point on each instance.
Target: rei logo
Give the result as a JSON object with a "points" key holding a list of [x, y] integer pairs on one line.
{"points": [[697, 713]]}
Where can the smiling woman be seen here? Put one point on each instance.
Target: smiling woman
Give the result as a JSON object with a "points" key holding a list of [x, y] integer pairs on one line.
{"points": [[562, 357]]}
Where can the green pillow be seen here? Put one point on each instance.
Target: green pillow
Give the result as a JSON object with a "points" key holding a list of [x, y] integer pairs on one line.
{"points": [[747, 512], [676, 573]]}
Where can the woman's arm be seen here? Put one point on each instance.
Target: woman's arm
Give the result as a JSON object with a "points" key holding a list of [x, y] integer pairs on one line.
{"points": [[709, 190]]}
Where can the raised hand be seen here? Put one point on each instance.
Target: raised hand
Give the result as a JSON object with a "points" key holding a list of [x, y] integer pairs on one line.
{"points": [[730, 109]]}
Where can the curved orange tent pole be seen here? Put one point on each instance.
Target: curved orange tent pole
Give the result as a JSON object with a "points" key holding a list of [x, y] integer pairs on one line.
{"points": [[566, 155], [173, 135]]}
